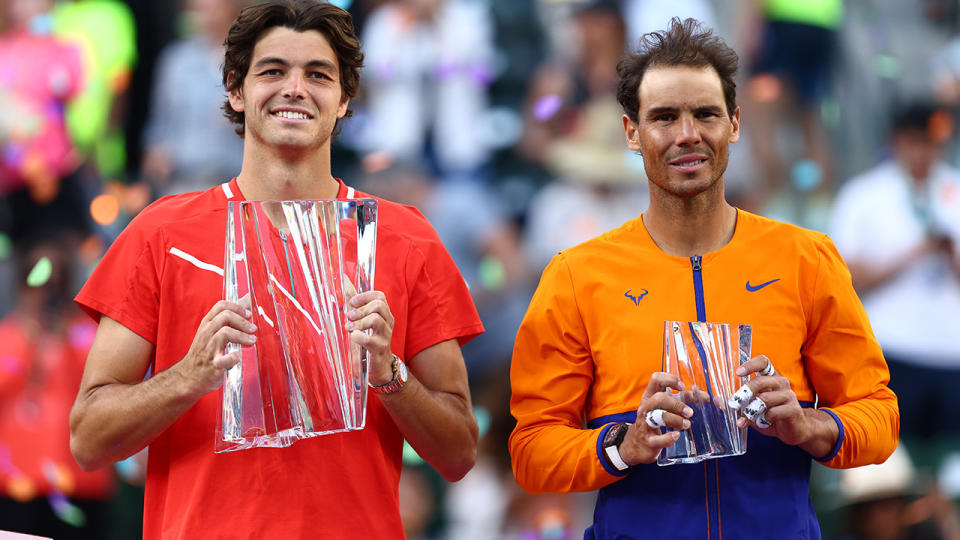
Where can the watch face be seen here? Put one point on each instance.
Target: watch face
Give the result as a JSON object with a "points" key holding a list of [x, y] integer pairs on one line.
{"points": [[615, 435], [401, 370]]}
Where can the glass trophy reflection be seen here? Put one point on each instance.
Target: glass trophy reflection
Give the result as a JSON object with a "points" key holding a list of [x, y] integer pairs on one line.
{"points": [[295, 265]]}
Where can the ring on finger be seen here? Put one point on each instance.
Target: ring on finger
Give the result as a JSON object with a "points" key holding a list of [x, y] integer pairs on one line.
{"points": [[654, 418], [768, 371]]}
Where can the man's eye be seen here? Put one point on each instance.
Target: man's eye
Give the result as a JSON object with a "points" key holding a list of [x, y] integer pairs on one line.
{"points": [[271, 72]]}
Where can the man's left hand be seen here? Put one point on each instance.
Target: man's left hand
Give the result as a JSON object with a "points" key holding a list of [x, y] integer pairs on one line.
{"points": [[370, 311], [784, 414]]}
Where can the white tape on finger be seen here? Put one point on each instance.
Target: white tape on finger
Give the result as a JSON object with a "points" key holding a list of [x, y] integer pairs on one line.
{"points": [[740, 398], [756, 408], [655, 418], [762, 422]]}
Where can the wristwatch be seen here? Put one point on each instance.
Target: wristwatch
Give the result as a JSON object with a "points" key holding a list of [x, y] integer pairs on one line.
{"points": [[399, 378], [611, 445]]}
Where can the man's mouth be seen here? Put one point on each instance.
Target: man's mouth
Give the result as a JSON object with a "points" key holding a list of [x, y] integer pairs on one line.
{"points": [[291, 115], [688, 163]]}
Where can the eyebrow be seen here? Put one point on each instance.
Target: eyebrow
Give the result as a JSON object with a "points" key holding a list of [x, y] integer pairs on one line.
{"points": [[273, 60], [703, 108]]}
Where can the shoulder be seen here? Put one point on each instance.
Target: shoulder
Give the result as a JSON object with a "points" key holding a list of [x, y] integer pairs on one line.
{"points": [[179, 209], [629, 240], [402, 223], [777, 238]]}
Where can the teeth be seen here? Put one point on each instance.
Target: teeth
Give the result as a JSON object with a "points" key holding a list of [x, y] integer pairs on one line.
{"points": [[291, 114], [688, 163]]}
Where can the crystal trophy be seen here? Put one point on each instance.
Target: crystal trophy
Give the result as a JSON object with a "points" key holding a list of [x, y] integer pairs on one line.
{"points": [[705, 357], [295, 265]]}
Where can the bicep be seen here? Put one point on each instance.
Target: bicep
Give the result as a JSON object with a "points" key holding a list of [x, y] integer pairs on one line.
{"points": [[440, 368], [117, 355]]}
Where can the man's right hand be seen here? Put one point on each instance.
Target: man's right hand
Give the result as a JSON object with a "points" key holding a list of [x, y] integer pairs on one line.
{"points": [[643, 443], [207, 360]]}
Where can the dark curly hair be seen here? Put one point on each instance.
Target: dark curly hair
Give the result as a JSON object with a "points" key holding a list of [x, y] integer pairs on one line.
{"points": [[335, 24], [685, 43]]}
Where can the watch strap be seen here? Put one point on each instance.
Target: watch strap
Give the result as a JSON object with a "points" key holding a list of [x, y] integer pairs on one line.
{"points": [[613, 453], [396, 383]]}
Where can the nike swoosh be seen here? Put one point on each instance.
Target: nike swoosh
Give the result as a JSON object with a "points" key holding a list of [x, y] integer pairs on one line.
{"points": [[755, 288]]}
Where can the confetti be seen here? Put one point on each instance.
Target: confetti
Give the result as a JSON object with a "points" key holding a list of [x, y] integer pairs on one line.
{"points": [[105, 208], [41, 272], [546, 107], [66, 511], [6, 247]]}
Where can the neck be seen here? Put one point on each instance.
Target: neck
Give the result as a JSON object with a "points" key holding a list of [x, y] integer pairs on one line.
{"points": [[692, 226], [278, 175]]}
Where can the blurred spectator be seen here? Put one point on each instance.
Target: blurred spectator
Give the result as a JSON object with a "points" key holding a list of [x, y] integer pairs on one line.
{"points": [[563, 89], [897, 226], [644, 16], [105, 32], [39, 75], [418, 501], [188, 144], [428, 66], [566, 213], [488, 503], [573, 128], [790, 48], [43, 345], [885, 502], [485, 246]]}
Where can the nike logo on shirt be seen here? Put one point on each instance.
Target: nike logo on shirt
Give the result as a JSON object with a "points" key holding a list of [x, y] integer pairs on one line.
{"points": [[755, 288]]}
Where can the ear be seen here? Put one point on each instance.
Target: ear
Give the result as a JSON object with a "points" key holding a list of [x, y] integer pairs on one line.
{"points": [[342, 109], [236, 95], [632, 133], [735, 120]]}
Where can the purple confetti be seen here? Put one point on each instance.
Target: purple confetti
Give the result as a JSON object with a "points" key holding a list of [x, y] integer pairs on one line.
{"points": [[546, 107], [444, 70], [482, 75], [81, 334]]}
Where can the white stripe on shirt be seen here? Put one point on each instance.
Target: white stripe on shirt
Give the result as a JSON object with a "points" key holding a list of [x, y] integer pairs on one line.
{"points": [[195, 261]]}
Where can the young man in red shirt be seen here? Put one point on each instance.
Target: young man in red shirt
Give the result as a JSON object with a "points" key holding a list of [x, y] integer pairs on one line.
{"points": [[290, 70]]}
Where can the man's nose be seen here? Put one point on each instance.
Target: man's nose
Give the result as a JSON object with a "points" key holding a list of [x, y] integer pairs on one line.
{"points": [[689, 132], [293, 85]]}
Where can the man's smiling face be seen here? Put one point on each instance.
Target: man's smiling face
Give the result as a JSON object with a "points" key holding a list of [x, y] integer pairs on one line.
{"points": [[291, 96], [683, 129]]}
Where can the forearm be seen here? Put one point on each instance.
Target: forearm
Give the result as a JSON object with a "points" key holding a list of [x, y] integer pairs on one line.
{"points": [[439, 425], [557, 459], [871, 429], [111, 422]]}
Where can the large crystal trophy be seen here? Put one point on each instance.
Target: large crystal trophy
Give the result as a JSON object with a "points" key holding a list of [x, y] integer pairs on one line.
{"points": [[296, 264], [705, 357]]}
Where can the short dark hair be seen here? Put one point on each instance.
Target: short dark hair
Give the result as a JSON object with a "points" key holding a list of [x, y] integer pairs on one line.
{"points": [[335, 24], [685, 43], [913, 116]]}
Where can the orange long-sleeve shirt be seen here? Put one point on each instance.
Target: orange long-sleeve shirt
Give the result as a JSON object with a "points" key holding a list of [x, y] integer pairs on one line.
{"points": [[593, 336]]}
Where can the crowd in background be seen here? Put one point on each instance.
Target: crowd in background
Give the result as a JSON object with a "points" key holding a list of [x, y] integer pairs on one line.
{"points": [[498, 120]]}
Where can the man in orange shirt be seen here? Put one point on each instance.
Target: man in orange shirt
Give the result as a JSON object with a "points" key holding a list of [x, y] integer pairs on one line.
{"points": [[587, 358]]}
